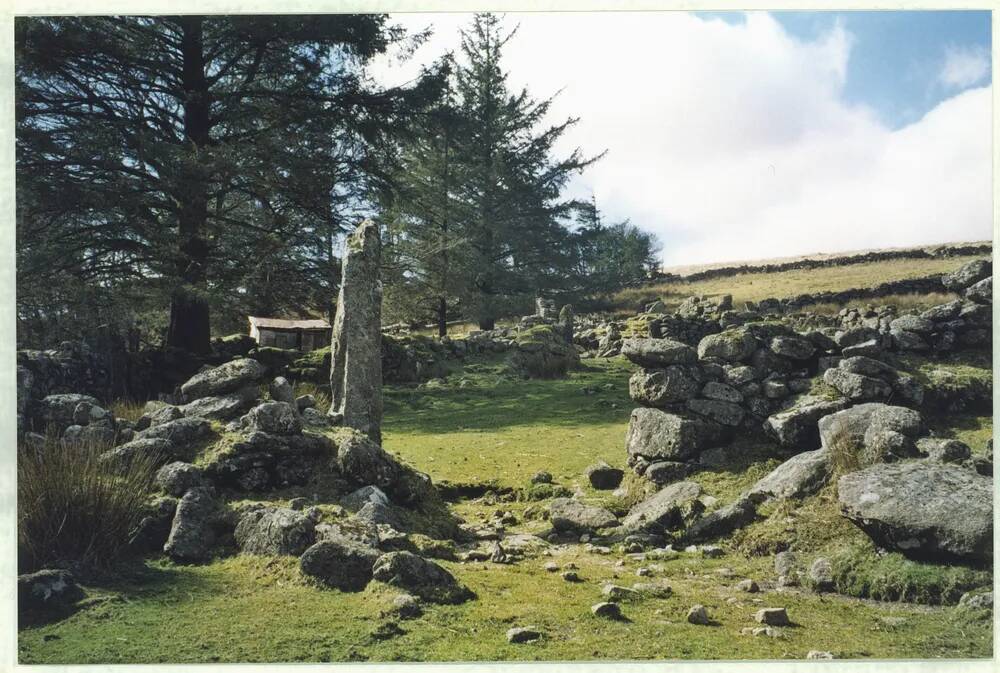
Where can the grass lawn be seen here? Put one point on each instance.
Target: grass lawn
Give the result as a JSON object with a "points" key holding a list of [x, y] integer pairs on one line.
{"points": [[757, 286], [503, 430], [499, 430]]}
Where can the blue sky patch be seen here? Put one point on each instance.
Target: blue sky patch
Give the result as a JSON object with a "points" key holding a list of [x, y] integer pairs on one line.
{"points": [[902, 63]]}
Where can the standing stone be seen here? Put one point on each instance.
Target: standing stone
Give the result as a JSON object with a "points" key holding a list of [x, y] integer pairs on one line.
{"points": [[356, 360], [565, 322]]}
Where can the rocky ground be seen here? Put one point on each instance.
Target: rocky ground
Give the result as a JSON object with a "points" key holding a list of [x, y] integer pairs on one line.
{"points": [[705, 483]]}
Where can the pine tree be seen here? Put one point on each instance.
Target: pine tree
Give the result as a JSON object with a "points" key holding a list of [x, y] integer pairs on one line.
{"points": [[183, 149], [511, 182], [432, 247], [612, 256]]}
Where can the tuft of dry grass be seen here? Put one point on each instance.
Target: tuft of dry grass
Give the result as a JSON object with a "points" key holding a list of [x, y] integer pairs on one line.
{"points": [[848, 454], [130, 410], [319, 391], [74, 507]]}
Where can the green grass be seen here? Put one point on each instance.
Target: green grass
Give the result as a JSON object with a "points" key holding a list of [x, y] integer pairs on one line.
{"points": [[757, 286], [973, 430], [483, 427], [255, 609], [859, 571], [959, 382], [504, 430]]}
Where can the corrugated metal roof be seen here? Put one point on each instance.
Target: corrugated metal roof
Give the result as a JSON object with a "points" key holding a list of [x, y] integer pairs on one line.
{"points": [[278, 323]]}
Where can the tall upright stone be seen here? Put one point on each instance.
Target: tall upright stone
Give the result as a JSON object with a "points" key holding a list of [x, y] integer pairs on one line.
{"points": [[565, 322], [356, 351]]}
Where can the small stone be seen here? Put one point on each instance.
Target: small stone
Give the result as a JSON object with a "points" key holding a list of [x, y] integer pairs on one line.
{"points": [[698, 615], [748, 585], [551, 567], [712, 551], [772, 616], [617, 594], [281, 391], [818, 654], [522, 634], [643, 572], [785, 562], [407, 606], [653, 589], [607, 610], [571, 576], [474, 555], [821, 575]]}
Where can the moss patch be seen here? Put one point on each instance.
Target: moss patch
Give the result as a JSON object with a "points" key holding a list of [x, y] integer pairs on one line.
{"points": [[859, 571]]}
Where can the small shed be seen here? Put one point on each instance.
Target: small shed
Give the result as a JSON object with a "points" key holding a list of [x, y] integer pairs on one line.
{"points": [[303, 335]]}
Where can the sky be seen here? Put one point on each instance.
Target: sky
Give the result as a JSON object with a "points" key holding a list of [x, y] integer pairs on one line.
{"points": [[738, 136]]}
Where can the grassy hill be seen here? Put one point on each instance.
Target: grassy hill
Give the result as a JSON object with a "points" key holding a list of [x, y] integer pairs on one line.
{"points": [[757, 286]]}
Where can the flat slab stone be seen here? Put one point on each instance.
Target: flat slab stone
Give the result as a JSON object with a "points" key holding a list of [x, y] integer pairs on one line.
{"points": [[663, 509], [922, 508], [655, 353], [797, 477]]}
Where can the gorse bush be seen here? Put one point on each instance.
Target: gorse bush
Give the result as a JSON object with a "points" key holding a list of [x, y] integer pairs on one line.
{"points": [[74, 507]]}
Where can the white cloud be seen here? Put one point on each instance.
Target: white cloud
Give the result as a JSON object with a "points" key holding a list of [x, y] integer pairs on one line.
{"points": [[964, 67], [734, 141]]}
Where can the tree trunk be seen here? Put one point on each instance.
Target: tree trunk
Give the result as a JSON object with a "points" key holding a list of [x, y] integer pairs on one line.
{"points": [[189, 312], [442, 317]]}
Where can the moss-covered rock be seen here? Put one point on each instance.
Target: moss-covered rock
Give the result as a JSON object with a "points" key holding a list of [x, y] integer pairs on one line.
{"points": [[234, 345], [542, 352], [405, 359], [957, 384], [641, 326], [313, 367], [412, 359]]}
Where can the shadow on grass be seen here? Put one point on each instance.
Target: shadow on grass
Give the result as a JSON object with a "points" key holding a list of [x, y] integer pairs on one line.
{"points": [[117, 585]]}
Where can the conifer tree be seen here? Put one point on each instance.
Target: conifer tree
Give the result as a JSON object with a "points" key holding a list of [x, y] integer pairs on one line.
{"points": [[189, 149]]}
